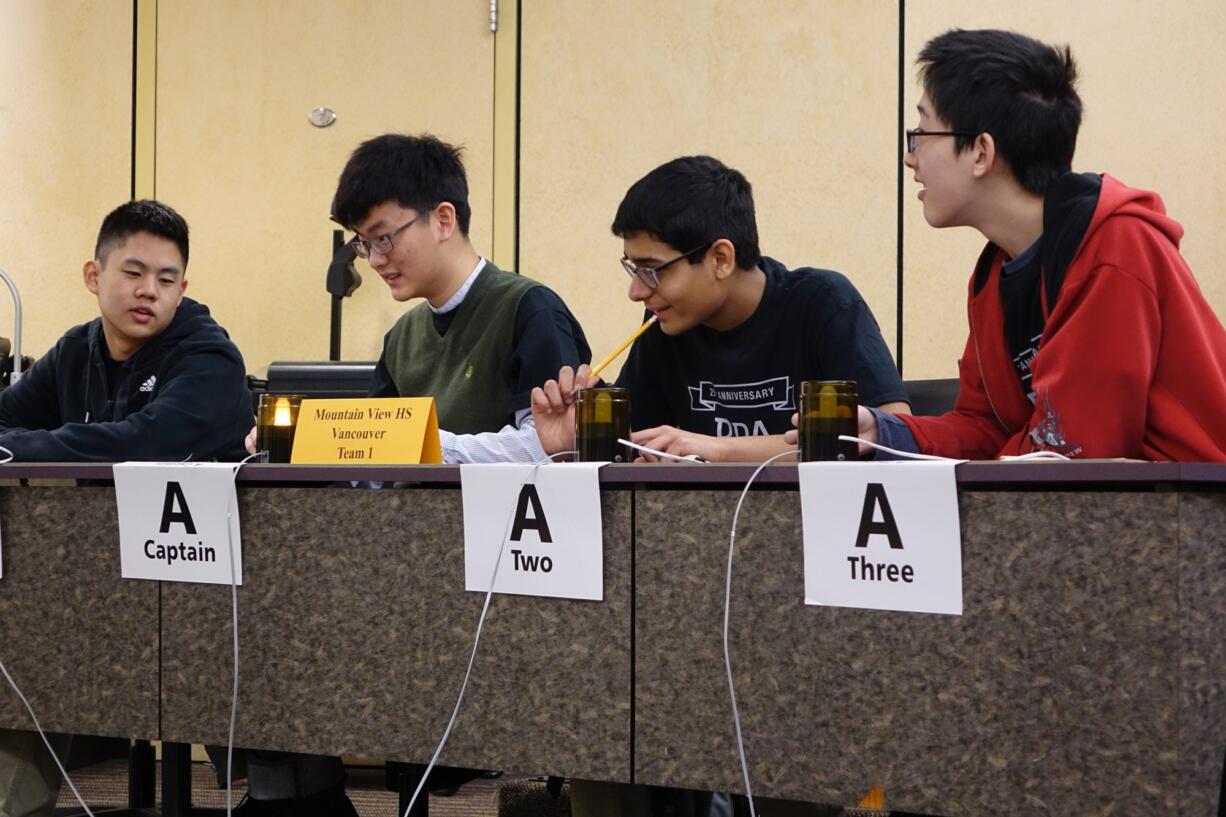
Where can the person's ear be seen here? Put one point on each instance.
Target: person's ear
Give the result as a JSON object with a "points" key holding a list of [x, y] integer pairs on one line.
{"points": [[984, 155], [445, 219], [723, 255], [90, 274]]}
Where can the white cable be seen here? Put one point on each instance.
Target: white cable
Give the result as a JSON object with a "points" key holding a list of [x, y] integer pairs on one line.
{"points": [[43, 735], [472, 657], [665, 455], [736, 716], [1036, 455], [9, 458], [911, 455], [1033, 455]]}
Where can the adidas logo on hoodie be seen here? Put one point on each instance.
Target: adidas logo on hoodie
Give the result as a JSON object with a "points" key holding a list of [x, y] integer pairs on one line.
{"points": [[149, 384]]}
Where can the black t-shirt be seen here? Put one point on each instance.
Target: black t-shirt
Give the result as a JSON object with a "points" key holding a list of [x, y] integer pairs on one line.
{"points": [[811, 324], [546, 337], [1021, 301]]}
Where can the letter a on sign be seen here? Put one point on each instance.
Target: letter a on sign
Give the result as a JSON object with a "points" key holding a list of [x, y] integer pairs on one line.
{"points": [[851, 511], [174, 497], [529, 496], [874, 498]]}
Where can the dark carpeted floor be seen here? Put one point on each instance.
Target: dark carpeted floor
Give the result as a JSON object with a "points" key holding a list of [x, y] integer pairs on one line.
{"points": [[105, 785]]}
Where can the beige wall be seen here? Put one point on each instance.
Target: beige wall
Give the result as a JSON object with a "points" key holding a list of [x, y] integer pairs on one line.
{"points": [[800, 96], [1151, 80], [792, 97], [65, 143], [236, 155]]}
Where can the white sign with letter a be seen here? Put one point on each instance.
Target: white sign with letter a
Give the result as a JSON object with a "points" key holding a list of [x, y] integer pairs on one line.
{"points": [[548, 529], [172, 521], [882, 535]]}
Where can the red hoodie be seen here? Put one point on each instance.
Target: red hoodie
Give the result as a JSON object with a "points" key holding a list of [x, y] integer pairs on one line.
{"points": [[1132, 360]]}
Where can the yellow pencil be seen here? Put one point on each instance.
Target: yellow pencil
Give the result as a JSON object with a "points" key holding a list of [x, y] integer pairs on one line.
{"points": [[624, 345]]}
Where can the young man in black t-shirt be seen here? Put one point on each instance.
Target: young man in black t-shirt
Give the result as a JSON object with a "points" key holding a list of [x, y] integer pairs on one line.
{"points": [[719, 374]]}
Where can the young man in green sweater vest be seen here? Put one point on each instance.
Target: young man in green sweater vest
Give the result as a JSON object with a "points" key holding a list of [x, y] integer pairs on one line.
{"points": [[478, 343], [483, 338]]}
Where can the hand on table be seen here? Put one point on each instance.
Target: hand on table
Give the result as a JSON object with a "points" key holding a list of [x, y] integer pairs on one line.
{"points": [[866, 422], [672, 440]]}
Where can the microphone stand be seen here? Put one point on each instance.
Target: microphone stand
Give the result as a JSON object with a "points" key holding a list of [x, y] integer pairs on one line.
{"points": [[16, 375], [341, 282]]}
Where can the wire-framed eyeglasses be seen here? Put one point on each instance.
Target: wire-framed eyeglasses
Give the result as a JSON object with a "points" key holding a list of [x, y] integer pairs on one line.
{"points": [[385, 243], [651, 275]]}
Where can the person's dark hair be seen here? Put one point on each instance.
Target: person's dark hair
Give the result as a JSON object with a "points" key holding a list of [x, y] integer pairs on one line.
{"points": [[418, 172], [143, 216], [1014, 87], [690, 203]]}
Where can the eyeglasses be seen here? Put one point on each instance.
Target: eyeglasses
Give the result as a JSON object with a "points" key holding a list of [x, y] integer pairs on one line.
{"points": [[384, 243], [651, 275], [914, 134]]}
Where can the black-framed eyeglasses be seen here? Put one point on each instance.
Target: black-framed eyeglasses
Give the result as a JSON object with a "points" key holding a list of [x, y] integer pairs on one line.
{"points": [[914, 134], [386, 242], [651, 275]]}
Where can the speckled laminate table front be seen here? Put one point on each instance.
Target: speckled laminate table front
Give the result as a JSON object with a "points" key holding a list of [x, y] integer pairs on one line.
{"points": [[1085, 676], [81, 642], [356, 630]]}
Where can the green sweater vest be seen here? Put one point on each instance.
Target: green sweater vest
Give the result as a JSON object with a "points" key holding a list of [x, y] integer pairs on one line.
{"points": [[464, 370]]}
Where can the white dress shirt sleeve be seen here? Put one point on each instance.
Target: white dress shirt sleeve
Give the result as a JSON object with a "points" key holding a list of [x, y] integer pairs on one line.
{"points": [[511, 443]]}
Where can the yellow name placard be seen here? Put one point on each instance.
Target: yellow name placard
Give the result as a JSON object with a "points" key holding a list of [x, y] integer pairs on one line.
{"points": [[366, 431]]}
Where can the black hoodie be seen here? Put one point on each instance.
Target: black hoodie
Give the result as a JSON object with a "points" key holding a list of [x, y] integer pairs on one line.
{"points": [[182, 396]]}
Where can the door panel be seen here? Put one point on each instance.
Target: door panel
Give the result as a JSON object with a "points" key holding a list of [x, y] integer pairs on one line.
{"points": [[236, 154], [1150, 80], [801, 98], [66, 139]]}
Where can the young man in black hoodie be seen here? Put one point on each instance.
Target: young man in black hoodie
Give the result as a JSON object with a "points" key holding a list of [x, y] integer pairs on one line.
{"points": [[153, 377]]}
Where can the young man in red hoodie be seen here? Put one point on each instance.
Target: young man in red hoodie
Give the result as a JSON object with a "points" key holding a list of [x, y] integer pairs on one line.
{"points": [[1088, 334]]}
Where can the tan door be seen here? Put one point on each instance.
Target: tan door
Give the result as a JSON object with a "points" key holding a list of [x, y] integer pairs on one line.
{"points": [[66, 148], [800, 97], [236, 154]]}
